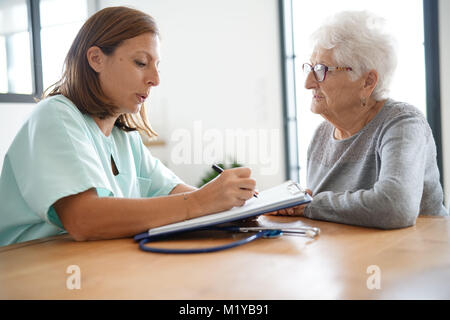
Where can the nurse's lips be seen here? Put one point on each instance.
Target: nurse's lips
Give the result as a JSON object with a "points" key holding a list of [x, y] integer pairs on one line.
{"points": [[141, 97]]}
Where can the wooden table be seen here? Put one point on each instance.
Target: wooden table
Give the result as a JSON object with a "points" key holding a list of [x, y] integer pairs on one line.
{"points": [[413, 263]]}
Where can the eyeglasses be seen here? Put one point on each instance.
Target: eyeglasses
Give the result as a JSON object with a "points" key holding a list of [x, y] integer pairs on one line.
{"points": [[320, 70]]}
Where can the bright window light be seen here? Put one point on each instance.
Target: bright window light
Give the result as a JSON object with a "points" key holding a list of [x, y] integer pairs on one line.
{"points": [[15, 57], [3, 66], [60, 22]]}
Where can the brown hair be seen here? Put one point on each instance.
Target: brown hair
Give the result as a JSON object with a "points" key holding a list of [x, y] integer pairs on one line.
{"points": [[106, 29]]}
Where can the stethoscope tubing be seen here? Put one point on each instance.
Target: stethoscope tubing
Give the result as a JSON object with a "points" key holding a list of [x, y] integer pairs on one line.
{"points": [[259, 234]]}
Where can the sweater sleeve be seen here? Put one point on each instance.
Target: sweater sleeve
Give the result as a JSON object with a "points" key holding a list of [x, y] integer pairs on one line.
{"points": [[394, 200]]}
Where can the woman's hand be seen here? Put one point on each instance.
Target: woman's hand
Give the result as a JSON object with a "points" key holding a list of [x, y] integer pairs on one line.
{"points": [[230, 189], [294, 211]]}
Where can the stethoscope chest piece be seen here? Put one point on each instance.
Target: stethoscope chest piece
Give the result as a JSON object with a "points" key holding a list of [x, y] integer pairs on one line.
{"points": [[272, 233]]}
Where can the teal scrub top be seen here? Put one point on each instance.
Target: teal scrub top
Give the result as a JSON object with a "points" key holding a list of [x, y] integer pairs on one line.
{"points": [[60, 152]]}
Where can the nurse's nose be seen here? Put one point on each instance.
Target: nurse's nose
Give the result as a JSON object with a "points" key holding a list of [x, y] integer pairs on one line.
{"points": [[153, 76]]}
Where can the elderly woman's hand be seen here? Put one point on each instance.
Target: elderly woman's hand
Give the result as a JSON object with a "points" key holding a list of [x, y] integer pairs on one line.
{"points": [[294, 211]]}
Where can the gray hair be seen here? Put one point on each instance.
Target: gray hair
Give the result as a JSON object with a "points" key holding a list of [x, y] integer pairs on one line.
{"points": [[359, 41]]}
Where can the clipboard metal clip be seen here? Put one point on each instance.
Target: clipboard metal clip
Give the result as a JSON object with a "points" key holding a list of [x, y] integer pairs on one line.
{"points": [[294, 188], [310, 232]]}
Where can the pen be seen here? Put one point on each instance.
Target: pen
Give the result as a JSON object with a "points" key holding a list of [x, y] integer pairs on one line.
{"points": [[220, 170]]}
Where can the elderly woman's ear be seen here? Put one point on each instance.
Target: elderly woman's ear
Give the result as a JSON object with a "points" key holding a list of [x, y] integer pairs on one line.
{"points": [[370, 82]]}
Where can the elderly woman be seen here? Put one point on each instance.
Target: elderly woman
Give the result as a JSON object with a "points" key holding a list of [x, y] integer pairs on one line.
{"points": [[373, 161]]}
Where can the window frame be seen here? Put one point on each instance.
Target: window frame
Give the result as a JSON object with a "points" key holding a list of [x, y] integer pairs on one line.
{"points": [[292, 162], [432, 78], [34, 27]]}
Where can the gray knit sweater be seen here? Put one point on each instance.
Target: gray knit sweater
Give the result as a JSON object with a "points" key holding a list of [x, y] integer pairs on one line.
{"points": [[382, 177]]}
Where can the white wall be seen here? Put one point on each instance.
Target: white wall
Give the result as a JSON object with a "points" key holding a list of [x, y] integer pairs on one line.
{"points": [[12, 117], [220, 84], [220, 74], [444, 46]]}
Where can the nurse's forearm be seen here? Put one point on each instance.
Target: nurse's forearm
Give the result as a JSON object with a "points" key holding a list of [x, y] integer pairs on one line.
{"points": [[88, 217], [182, 188]]}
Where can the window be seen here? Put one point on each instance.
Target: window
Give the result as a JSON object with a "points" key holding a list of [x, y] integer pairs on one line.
{"points": [[15, 54], [60, 22], [298, 23], [35, 36]]}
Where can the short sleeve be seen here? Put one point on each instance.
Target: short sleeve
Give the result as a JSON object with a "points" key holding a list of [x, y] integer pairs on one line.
{"points": [[155, 179], [53, 157]]}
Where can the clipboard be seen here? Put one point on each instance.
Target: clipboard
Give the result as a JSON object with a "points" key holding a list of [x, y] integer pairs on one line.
{"points": [[285, 195]]}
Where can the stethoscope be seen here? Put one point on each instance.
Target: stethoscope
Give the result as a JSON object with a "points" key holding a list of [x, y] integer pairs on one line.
{"points": [[261, 232]]}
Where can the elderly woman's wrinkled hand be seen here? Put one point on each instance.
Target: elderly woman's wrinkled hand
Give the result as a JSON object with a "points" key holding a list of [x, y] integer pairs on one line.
{"points": [[294, 211]]}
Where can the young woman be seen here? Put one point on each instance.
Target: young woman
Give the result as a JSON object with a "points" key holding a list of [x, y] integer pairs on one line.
{"points": [[78, 164]]}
